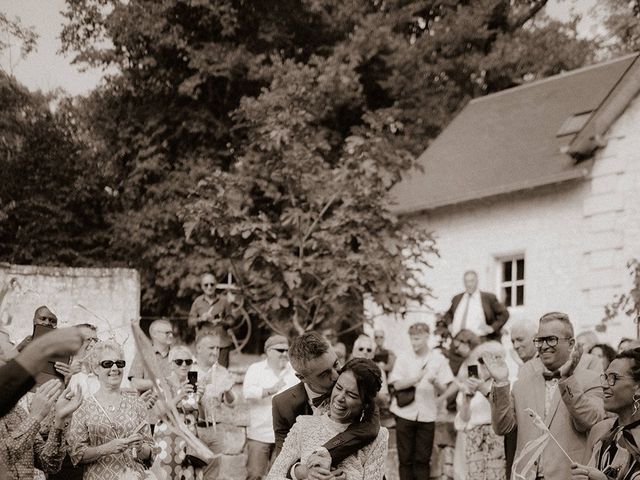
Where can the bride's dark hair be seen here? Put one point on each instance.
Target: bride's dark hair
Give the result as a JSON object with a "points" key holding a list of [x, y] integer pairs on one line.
{"points": [[369, 380]]}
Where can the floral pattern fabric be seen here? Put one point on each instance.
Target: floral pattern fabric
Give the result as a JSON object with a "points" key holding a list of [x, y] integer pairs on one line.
{"points": [[92, 426], [485, 454]]}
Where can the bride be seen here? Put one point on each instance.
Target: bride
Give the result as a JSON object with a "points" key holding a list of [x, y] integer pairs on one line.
{"points": [[352, 400]]}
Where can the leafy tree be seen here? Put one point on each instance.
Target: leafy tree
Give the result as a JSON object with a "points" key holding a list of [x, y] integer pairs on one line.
{"points": [[622, 22], [627, 303], [50, 207], [275, 129]]}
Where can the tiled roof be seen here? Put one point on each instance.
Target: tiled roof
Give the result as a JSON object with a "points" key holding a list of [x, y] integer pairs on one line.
{"points": [[509, 141]]}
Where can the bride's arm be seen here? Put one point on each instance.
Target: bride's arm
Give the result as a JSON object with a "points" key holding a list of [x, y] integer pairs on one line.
{"points": [[289, 454], [376, 460]]}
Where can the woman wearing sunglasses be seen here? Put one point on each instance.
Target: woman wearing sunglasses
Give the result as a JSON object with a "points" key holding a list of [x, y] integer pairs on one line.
{"points": [[172, 462], [613, 447], [109, 433]]}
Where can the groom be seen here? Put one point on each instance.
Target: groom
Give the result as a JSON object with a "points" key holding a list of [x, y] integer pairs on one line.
{"points": [[316, 365]]}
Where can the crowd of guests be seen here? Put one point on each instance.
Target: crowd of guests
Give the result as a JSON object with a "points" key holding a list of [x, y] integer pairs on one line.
{"points": [[321, 410]]}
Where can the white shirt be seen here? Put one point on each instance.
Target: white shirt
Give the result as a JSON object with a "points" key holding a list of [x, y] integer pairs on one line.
{"points": [[423, 408], [260, 377], [476, 321]]}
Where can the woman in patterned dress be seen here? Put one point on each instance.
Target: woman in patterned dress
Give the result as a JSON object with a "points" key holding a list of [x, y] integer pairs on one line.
{"points": [[483, 449], [21, 444], [614, 443], [109, 432], [352, 400], [172, 462]]}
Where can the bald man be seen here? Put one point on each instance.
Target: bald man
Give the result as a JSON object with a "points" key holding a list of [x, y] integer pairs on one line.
{"points": [[42, 316]]}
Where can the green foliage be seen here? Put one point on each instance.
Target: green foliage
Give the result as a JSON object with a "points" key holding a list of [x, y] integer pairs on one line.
{"points": [[51, 202], [273, 131], [622, 22], [627, 303]]}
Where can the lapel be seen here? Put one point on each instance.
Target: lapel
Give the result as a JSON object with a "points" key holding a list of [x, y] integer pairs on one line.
{"points": [[300, 400], [537, 386], [555, 401], [486, 308]]}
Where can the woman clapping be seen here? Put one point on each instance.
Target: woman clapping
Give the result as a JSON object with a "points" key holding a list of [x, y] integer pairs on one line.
{"points": [[109, 432], [20, 432]]}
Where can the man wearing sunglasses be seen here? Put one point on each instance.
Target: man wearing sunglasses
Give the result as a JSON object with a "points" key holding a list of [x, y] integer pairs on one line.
{"points": [[207, 316], [562, 391], [261, 382]]}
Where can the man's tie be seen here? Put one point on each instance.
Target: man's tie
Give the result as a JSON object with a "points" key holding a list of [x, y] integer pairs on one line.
{"points": [[463, 323], [321, 399], [551, 375]]}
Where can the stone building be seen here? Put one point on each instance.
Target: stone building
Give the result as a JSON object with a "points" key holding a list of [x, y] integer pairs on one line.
{"points": [[536, 188]]}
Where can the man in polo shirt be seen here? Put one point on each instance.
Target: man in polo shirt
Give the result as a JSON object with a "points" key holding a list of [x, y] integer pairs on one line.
{"points": [[208, 317], [261, 382]]}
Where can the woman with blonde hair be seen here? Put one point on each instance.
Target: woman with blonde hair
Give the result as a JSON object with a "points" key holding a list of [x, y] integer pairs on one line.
{"points": [[109, 433]]}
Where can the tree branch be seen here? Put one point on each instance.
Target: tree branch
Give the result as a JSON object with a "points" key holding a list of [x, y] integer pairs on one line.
{"points": [[528, 15]]}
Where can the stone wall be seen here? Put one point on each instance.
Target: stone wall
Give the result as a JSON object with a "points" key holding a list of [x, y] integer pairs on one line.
{"points": [[106, 297]]}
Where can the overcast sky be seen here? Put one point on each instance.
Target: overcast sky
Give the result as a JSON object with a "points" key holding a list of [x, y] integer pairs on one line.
{"points": [[47, 69]]}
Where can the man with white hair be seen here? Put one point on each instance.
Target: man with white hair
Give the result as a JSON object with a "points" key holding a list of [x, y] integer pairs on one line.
{"points": [[522, 333]]}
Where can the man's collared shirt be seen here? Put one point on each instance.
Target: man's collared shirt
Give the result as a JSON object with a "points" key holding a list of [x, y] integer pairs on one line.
{"points": [[260, 377], [475, 319]]}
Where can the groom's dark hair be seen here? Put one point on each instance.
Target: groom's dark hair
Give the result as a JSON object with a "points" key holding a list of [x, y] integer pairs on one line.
{"points": [[306, 347]]}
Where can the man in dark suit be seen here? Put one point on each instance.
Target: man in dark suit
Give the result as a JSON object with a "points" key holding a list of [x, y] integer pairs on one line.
{"points": [[316, 365], [480, 312]]}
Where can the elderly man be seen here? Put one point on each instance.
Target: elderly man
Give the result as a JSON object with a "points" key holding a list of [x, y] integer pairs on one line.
{"points": [[564, 393], [480, 312], [316, 366], [207, 315], [262, 381], [522, 333], [161, 334]]}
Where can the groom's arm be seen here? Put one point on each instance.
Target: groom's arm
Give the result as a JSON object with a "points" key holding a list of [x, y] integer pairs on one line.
{"points": [[356, 436]]}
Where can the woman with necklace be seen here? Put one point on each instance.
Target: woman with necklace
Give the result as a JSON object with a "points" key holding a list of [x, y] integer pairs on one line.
{"points": [[352, 400], [614, 443], [109, 432]]}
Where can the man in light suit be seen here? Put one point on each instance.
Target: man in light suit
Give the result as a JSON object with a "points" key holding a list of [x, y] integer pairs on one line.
{"points": [[480, 312], [564, 393], [316, 365]]}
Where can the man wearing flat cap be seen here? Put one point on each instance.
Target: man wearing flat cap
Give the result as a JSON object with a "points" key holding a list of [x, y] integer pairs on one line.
{"points": [[261, 382]]}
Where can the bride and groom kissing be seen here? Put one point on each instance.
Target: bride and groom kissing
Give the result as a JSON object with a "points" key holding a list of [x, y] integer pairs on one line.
{"points": [[327, 427]]}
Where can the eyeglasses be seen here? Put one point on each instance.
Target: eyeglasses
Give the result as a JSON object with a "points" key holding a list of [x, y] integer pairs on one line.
{"points": [[208, 284], [611, 378], [362, 349], [179, 361], [166, 334], [551, 341], [111, 363], [281, 350]]}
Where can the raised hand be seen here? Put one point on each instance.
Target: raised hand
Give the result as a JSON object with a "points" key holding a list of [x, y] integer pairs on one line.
{"points": [[45, 398], [149, 398], [497, 368], [570, 365], [68, 402], [471, 385], [583, 472]]}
